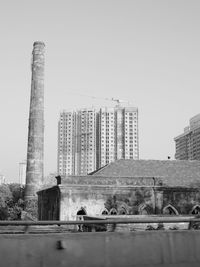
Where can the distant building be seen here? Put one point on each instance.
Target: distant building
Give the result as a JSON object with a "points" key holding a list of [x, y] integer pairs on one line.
{"points": [[118, 134], [77, 142], [188, 143], [2, 179], [89, 139], [22, 173]]}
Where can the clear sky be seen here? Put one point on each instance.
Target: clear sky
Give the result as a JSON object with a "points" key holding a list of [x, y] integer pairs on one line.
{"points": [[143, 51]]}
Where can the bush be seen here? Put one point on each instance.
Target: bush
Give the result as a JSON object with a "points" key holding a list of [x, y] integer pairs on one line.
{"points": [[11, 201]]}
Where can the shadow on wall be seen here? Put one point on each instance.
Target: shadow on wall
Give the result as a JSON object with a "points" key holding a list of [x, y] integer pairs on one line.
{"points": [[140, 203]]}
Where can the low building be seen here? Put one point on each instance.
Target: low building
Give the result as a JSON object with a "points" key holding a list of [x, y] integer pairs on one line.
{"points": [[125, 187]]}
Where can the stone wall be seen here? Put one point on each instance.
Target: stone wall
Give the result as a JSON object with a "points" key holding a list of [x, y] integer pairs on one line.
{"points": [[94, 196], [181, 198]]}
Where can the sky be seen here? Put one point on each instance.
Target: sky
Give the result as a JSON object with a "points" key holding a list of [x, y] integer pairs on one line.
{"points": [[146, 52]]}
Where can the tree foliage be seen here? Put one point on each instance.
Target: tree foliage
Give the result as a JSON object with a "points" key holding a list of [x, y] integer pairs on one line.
{"points": [[11, 201]]}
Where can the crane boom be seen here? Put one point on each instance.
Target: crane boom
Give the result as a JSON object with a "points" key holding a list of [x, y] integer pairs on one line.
{"points": [[118, 101]]}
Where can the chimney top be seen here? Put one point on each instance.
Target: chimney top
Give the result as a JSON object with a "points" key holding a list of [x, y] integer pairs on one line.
{"points": [[39, 43]]}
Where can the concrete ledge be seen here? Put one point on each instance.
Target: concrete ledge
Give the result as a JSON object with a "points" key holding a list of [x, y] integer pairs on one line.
{"points": [[149, 248]]}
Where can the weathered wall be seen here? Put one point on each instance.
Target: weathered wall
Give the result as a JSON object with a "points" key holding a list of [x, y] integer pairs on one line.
{"points": [[138, 200], [125, 195], [95, 194], [148, 248], [90, 199], [183, 199], [49, 204]]}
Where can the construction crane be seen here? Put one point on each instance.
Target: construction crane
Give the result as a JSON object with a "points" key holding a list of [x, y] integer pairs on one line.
{"points": [[118, 101]]}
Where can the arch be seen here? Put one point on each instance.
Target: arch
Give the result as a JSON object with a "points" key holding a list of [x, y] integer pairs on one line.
{"points": [[195, 210], [104, 212], [79, 216], [170, 210], [143, 209], [122, 211], [81, 211], [113, 211]]}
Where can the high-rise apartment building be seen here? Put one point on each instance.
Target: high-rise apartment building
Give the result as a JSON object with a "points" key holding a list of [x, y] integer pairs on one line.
{"points": [[66, 145], [77, 142], [85, 141], [66, 142], [89, 139], [118, 134], [188, 143]]}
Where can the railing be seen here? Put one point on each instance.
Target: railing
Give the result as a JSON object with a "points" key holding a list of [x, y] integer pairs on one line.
{"points": [[171, 219], [101, 223]]}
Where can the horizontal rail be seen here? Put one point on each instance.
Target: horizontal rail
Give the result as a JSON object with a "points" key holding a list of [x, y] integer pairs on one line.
{"points": [[172, 219]]}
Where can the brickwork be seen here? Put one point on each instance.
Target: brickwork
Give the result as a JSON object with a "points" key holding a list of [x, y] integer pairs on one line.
{"points": [[34, 169]]}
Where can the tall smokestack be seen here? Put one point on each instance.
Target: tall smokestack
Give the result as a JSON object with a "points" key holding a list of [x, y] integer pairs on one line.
{"points": [[35, 150]]}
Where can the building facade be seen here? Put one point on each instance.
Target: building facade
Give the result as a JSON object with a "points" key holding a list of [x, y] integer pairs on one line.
{"points": [[188, 143], [66, 146], [85, 141], [118, 134], [77, 142], [22, 173], [89, 139], [125, 187]]}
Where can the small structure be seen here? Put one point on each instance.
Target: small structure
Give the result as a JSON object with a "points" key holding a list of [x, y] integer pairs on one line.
{"points": [[125, 187]]}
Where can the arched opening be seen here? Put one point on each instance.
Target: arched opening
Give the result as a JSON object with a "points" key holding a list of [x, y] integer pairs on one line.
{"points": [[122, 211], [195, 210], [144, 212], [143, 209], [170, 210], [82, 211], [113, 211], [105, 212]]}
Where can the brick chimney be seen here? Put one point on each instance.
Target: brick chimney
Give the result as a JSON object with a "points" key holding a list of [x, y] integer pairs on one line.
{"points": [[35, 149]]}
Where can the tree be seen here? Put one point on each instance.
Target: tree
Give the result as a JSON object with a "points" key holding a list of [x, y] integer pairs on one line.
{"points": [[17, 191], [11, 201], [5, 196]]}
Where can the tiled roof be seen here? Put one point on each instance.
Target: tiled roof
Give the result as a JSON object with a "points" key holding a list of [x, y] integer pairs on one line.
{"points": [[172, 172]]}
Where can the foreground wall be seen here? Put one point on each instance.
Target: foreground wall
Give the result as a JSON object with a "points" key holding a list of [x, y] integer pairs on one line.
{"points": [[149, 248]]}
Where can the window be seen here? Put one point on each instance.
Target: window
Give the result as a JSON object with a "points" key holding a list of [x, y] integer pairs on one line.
{"points": [[170, 210], [113, 211]]}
